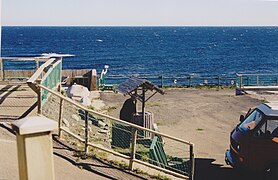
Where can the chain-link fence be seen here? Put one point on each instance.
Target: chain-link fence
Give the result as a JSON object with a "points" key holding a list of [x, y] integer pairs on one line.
{"points": [[90, 131]]}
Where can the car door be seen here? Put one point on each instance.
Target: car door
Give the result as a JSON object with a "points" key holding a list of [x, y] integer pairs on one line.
{"points": [[263, 147]]}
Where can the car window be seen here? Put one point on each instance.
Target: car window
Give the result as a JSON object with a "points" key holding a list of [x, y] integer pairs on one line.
{"points": [[251, 121], [268, 130], [272, 127]]}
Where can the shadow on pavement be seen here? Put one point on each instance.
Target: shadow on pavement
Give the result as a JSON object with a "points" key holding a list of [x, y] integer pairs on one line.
{"points": [[96, 165], [205, 169]]}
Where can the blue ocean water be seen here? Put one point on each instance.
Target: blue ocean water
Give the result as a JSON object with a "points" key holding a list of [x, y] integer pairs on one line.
{"points": [[168, 51]]}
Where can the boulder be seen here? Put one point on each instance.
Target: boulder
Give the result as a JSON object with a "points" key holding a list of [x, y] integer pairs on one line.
{"points": [[77, 90], [86, 101]]}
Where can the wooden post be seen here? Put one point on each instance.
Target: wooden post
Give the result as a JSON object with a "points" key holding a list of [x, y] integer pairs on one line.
{"points": [[37, 63], [86, 133], [34, 147], [60, 118], [192, 163], [2, 69], [240, 81], [161, 81], [257, 80], [133, 148], [39, 97], [143, 104], [93, 81]]}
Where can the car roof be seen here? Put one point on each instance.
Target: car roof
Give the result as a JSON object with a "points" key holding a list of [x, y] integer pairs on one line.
{"points": [[269, 109]]}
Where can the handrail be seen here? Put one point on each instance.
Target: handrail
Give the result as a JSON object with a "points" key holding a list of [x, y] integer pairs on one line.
{"points": [[39, 83], [134, 132], [48, 72], [113, 118], [238, 75], [40, 70]]}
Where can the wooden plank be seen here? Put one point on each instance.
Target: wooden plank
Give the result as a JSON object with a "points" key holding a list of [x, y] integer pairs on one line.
{"points": [[133, 148], [37, 74], [60, 119], [19, 73], [72, 134]]}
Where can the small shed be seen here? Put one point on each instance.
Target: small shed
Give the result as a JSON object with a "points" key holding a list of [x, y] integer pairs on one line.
{"points": [[138, 87]]}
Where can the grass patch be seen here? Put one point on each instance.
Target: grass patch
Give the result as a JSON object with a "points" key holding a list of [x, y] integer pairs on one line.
{"points": [[160, 177], [91, 107], [264, 100], [139, 171], [121, 164], [153, 104], [111, 108], [199, 129]]}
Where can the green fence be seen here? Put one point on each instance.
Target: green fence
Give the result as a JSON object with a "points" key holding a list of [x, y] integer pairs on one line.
{"points": [[256, 80], [51, 79]]}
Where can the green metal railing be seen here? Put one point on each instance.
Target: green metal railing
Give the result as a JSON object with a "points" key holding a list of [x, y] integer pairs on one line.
{"points": [[243, 80], [51, 79], [175, 81], [48, 74]]}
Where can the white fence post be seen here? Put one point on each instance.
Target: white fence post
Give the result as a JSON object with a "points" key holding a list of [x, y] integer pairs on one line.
{"points": [[34, 147]]}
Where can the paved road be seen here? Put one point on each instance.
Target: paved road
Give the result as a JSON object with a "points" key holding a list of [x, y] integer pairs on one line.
{"points": [[15, 100], [65, 164]]}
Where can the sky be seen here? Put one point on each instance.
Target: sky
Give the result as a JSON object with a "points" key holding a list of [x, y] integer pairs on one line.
{"points": [[139, 12]]}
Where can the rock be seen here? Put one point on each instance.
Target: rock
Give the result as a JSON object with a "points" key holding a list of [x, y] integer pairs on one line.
{"points": [[101, 124], [66, 123], [75, 117], [86, 101], [103, 131], [106, 127], [77, 90]]}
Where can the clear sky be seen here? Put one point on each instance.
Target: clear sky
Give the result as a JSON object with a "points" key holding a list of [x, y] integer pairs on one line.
{"points": [[140, 12]]}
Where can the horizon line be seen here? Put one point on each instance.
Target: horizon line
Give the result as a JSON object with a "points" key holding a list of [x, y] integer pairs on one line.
{"points": [[139, 25]]}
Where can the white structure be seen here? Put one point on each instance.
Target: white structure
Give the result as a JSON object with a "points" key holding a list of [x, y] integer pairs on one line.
{"points": [[34, 147]]}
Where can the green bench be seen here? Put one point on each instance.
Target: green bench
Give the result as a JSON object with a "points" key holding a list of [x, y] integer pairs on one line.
{"points": [[159, 158]]}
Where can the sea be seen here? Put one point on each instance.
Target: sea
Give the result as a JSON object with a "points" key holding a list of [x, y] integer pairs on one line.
{"points": [[149, 51]]}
